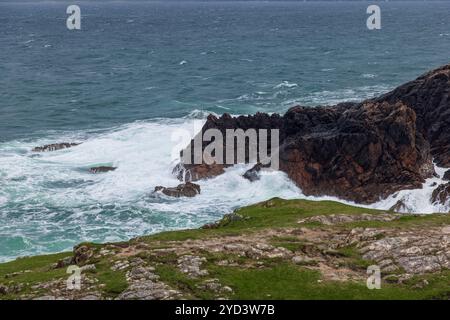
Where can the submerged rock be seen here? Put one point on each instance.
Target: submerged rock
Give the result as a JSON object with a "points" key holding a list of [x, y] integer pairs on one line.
{"points": [[101, 169], [187, 189], [356, 151], [55, 146]]}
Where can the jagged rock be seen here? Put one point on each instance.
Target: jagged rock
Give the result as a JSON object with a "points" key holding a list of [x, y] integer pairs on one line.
{"points": [[187, 172], [253, 173], [187, 189], [101, 169], [82, 254], [55, 146], [446, 175], [429, 97], [441, 194], [356, 151], [399, 206]]}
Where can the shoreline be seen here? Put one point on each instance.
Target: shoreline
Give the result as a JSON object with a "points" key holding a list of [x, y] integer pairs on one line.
{"points": [[314, 245]]}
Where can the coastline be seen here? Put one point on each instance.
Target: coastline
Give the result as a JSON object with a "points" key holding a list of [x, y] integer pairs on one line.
{"points": [[277, 249]]}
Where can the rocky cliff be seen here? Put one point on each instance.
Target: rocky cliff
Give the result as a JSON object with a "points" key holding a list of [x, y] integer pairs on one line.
{"points": [[355, 151]]}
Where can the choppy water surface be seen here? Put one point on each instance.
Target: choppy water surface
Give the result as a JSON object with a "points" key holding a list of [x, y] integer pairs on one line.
{"points": [[138, 71]]}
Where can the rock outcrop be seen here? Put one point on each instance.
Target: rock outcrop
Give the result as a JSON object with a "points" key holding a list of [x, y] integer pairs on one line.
{"points": [[356, 151], [55, 146], [429, 97], [187, 189]]}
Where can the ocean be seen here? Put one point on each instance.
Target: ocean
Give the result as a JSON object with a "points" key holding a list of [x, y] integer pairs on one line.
{"points": [[137, 72]]}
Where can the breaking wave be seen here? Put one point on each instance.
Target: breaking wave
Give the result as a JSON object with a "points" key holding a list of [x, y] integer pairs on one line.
{"points": [[52, 202]]}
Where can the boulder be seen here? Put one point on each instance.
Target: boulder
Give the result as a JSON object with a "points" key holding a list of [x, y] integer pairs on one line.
{"points": [[55, 146], [187, 189]]}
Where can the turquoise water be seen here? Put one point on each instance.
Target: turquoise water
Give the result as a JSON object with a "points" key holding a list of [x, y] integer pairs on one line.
{"points": [[137, 72]]}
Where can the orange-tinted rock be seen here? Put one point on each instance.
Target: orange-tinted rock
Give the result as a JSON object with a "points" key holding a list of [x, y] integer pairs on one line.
{"points": [[187, 189], [357, 151]]}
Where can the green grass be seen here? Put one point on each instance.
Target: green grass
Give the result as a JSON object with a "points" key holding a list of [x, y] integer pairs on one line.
{"points": [[270, 279], [114, 281], [289, 282], [274, 213]]}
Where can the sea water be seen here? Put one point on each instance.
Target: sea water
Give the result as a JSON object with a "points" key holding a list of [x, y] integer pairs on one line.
{"points": [[138, 71]]}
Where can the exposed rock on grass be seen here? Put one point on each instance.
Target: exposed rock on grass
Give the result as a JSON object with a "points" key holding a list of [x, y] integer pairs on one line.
{"points": [[342, 218], [265, 253]]}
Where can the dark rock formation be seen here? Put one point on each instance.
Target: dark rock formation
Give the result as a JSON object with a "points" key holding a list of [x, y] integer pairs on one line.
{"points": [[399, 206], [187, 189], [55, 146], [441, 194], [429, 97], [356, 151], [101, 169], [253, 173], [446, 175]]}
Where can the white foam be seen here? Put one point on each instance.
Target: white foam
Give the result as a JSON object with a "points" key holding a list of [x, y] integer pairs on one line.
{"points": [[418, 200], [52, 202], [286, 84]]}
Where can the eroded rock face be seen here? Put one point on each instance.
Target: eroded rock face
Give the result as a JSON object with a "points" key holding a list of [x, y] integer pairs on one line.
{"points": [[429, 97], [441, 194], [187, 189], [356, 151], [55, 146], [362, 152]]}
